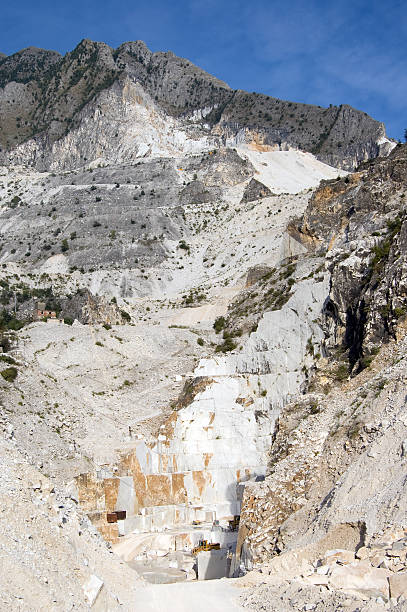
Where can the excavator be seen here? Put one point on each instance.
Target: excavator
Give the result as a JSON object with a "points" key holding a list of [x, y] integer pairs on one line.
{"points": [[204, 545]]}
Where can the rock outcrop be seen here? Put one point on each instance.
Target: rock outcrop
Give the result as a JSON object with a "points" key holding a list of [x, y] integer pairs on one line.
{"points": [[349, 488]]}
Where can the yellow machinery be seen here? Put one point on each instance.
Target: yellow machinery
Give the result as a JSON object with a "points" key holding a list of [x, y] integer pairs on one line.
{"points": [[204, 545]]}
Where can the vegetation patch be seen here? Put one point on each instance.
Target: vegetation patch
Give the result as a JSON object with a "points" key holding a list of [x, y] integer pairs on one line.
{"points": [[7, 359], [219, 324], [341, 372], [9, 374]]}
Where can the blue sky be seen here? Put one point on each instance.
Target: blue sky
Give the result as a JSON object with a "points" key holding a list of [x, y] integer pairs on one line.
{"points": [[312, 51]]}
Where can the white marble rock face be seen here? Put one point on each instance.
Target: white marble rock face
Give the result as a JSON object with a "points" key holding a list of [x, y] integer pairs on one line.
{"points": [[222, 438]]}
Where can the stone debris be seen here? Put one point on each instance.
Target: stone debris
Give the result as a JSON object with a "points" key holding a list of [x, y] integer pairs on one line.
{"points": [[92, 589], [46, 560], [340, 573], [365, 580], [341, 556]]}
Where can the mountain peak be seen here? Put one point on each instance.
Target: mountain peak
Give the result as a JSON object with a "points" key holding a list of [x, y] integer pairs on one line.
{"points": [[57, 91]]}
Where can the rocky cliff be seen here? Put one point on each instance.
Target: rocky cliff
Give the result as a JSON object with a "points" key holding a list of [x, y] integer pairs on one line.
{"points": [[336, 468]]}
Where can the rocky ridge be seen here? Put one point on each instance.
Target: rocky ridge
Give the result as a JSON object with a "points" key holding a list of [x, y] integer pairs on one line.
{"points": [[47, 102]]}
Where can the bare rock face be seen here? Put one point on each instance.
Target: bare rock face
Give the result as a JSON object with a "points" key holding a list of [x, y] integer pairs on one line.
{"points": [[360, 220], [255, 190], [44, 98], [353, 416], [131, 216]]}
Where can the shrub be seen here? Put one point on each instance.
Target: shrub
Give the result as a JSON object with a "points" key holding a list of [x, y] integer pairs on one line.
{"points": [[5, 344], [9, 374], [7, 359], [183, 245], [125, 315], [226, 346], [394, 225], [366, 361], [219, 324], [380, 251], [68, 321], [107, 326], [7, 321], [341, 372], [314, 409], [200, 341], [64, 245], [385, 311]]}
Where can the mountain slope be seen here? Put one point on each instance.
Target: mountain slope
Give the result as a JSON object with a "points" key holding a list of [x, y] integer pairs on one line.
{"points": [[200, 319], [46, 97]]}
